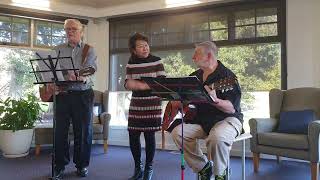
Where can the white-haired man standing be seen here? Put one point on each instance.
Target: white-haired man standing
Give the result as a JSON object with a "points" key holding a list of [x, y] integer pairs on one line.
{"points": [[74, 103], [218, 123]]}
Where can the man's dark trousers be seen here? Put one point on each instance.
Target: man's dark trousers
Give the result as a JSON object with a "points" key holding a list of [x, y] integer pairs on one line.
{"points": [[76, 106]]}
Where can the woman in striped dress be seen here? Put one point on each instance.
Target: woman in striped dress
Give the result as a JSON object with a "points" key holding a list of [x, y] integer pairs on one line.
{"points": [[145, 109]]}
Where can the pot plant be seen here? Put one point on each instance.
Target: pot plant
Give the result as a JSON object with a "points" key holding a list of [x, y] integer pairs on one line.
{"points": [[17, 119]]}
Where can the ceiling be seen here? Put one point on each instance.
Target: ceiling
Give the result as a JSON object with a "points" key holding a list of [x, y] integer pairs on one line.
{"points": [[97, 3]]}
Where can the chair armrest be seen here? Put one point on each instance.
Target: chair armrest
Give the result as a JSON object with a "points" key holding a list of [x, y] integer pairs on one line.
{"points": [[259, 125], [313, 137], [105, 121]]}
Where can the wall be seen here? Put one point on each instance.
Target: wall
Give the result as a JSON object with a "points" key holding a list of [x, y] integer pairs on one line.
{"points": [[316, 42], [97, 36], [303, 43]]}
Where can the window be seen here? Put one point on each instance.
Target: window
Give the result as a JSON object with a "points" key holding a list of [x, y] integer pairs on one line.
{"points": [[16, 81], [14, 30], [218, 27], [249, 35], [49, 34], [260, 22]]}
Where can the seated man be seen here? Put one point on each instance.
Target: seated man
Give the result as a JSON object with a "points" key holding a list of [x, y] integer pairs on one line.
{"points": [[218, 122]]}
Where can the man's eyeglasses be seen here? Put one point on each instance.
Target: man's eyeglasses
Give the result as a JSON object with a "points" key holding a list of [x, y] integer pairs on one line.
{"points": [[71, 29]]}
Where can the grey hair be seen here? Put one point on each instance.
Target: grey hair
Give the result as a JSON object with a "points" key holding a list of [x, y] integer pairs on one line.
{"points": [[208, 46], [76, 21]]}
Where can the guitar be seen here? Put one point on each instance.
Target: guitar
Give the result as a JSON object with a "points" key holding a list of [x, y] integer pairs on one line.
{"points": [[189, 110], [46, 91]]}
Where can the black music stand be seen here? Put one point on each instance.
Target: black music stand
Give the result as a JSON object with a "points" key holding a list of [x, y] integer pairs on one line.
{"points": [[179, 89], [47, 70]]}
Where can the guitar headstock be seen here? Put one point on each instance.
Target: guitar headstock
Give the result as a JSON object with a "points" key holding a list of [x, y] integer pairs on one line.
{"points": [[225, 84]]}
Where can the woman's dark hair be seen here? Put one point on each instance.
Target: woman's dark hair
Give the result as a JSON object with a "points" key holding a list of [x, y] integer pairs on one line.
{"points": [[133, 39]]}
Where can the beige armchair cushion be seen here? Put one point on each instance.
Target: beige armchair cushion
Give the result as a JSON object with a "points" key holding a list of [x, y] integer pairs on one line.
{"points": [[95, 119], [282, 140], [97, 128]]}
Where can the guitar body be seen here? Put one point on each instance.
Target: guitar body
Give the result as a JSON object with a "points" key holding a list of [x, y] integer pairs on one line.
{"points": [[189, 110], [46, 93], [172, 109]]}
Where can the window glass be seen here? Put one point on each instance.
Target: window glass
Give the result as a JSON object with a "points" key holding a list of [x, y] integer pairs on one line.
{"points": [[5, 36], [14, 30], [267, 30], [218, 35], [244, 17], [15, 79], [266, 15], [49, 34], [245, 32]]}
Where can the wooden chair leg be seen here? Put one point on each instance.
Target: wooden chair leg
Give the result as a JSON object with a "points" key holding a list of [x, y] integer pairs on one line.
{"points": [[278, 159], [163, 141], [105, 146], [256, 158], [314, 171], [37, 151]]}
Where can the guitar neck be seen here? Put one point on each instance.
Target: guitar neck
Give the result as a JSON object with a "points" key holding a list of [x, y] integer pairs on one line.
{"points": [[87, 71], [223, 84]]}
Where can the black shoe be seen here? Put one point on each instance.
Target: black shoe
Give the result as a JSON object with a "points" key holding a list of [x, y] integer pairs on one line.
{"points": [[138, 173], [222, 177], [148, 172], [58, 174], [82, 172], [206, 172]]}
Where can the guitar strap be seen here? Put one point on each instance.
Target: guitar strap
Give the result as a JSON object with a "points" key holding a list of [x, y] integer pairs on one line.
{"points": [[85, 51]]}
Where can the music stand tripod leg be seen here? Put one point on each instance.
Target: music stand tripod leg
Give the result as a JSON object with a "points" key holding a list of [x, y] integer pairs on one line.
{"points": [[182, 145], [53, 156]]}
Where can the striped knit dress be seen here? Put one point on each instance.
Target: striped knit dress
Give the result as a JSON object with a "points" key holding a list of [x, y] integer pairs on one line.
{"points": [[145, 109]]}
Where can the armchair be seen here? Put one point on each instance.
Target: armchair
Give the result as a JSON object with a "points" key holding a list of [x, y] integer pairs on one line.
{"points": [[265, 138]]}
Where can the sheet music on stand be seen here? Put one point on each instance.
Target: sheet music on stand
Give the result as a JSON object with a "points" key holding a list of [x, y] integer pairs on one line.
{"points": [[44, 66], [187, 88]]}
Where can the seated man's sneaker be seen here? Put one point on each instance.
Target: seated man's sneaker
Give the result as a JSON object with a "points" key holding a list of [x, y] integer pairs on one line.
{"points": [[221, 177], [58, 174], [82, 172], [206, 172]]}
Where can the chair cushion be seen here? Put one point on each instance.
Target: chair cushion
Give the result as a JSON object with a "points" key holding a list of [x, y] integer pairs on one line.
{"points": [[97, 128], [95, 119], [295, 122], [283, 140]]}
